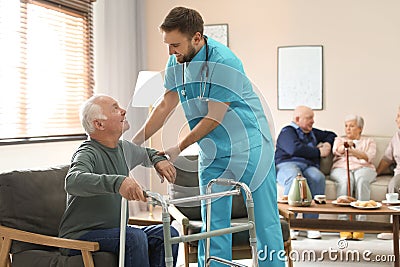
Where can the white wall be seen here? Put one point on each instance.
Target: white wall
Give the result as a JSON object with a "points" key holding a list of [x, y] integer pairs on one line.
{"points": [[33, 156], [360, 38]]}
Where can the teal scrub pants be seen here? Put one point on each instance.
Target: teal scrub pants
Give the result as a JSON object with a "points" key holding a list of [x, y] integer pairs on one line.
{"points": [[245, 167]]}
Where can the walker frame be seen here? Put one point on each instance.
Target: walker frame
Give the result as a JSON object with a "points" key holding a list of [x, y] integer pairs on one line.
{"points": [[157, 199]]}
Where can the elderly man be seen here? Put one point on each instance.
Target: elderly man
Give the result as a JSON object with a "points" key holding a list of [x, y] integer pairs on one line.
{"points": [[298, 150], [99, 177]]}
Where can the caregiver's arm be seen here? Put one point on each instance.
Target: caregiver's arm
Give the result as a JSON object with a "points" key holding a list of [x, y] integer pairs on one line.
{"points": [[214, 117], [157, 117]]}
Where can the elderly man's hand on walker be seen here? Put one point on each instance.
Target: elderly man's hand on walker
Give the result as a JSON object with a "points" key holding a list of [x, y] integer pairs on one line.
{"points": [[131, 190]]}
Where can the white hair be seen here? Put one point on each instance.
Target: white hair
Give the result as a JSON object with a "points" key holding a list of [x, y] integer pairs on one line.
{"points": [[359, 120], [91, 111]]}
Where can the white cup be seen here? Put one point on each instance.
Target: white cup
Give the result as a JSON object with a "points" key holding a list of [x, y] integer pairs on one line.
{"points": [[392, 197], [320, 199]]}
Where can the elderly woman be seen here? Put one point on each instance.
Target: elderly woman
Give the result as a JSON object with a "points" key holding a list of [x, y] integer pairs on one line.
{"points": [[392, 156], [361, 152]]}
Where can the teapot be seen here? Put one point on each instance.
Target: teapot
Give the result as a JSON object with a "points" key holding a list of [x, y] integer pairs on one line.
{"points": [[299, 193]]}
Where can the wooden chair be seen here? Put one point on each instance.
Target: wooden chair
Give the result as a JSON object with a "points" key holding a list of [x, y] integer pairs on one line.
{"points": [[31, 206], [188, 218], [8, 235]]}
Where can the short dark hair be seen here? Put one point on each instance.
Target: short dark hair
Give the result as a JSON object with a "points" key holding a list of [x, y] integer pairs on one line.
{"points": [[187, 21]]}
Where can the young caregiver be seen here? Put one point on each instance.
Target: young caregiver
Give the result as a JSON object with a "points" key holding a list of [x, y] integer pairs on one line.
{"points": [[227, 121]]}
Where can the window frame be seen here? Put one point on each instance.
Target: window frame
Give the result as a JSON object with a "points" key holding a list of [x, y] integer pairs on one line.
{"points": [[84, 9]]}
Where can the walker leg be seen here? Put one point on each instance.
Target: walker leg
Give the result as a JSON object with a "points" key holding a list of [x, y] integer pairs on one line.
{"points": [[251, 218], [122, 233], [169, 259], [207, 244], [157, 199], [252, 232]]}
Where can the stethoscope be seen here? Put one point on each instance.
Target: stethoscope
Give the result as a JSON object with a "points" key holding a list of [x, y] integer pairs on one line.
{"points": [[203, 81]]}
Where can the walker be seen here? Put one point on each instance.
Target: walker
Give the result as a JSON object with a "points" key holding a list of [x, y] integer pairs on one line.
{"points": [[157, 199]]}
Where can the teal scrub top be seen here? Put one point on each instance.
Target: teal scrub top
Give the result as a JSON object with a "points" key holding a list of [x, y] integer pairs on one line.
{"points": [[244, 125]]}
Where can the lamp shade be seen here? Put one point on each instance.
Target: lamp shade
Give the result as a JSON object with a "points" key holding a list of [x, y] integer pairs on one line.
{"points": [[149, 88]]}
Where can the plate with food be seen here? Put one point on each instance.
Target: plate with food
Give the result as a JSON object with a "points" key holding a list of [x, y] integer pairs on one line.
{"points": [[344, 200], [370, 204], [283, 199]]}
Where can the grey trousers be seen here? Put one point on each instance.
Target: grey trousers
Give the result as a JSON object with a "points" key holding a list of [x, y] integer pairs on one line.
{"points": [[360, 180]]}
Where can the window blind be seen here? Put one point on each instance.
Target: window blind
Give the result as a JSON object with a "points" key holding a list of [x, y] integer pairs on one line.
{"points": [[46, 67]]}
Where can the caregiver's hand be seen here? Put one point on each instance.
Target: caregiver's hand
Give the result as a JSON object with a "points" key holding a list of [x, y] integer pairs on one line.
{"points": [[172, 153]]}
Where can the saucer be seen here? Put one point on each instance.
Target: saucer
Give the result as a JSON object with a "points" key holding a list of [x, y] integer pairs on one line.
{"points": [[334, 202], [391, 203]]}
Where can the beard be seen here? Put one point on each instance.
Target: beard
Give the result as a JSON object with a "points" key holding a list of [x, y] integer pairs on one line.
{"points": [[189, 56]]}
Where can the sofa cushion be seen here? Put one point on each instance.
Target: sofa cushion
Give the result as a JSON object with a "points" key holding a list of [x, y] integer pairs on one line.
{"points": [[34, 201], [186, 185], [326, 164], [381, 144]]}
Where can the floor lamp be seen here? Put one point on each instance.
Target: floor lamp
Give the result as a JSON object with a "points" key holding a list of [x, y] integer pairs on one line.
{"points": [[149, 88]]}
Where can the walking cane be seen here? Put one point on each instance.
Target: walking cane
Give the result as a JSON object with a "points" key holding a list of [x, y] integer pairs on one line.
{"points": [[122, 233], [346, 150]]}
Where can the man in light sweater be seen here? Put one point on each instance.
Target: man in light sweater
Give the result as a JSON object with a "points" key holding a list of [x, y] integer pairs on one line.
{"points": [[99, 177]]}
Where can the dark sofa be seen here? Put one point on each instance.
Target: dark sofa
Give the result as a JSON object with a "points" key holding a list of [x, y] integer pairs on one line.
{"points": [[34, 201]]}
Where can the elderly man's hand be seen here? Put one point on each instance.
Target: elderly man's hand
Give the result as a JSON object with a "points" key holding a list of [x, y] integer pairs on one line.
{"points": [[166, 170], [325, 149], [131, 190]]}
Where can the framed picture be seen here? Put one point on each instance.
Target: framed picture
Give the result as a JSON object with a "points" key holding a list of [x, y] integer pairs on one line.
{"points": [[300, 80], [219, 32]]}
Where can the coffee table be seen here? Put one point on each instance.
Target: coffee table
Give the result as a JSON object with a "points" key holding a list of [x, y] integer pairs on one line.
{"points": [[288, 211]]}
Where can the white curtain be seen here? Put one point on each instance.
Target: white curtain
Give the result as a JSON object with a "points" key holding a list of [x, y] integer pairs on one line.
{"points": [[119, 50], [119, 46]]}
